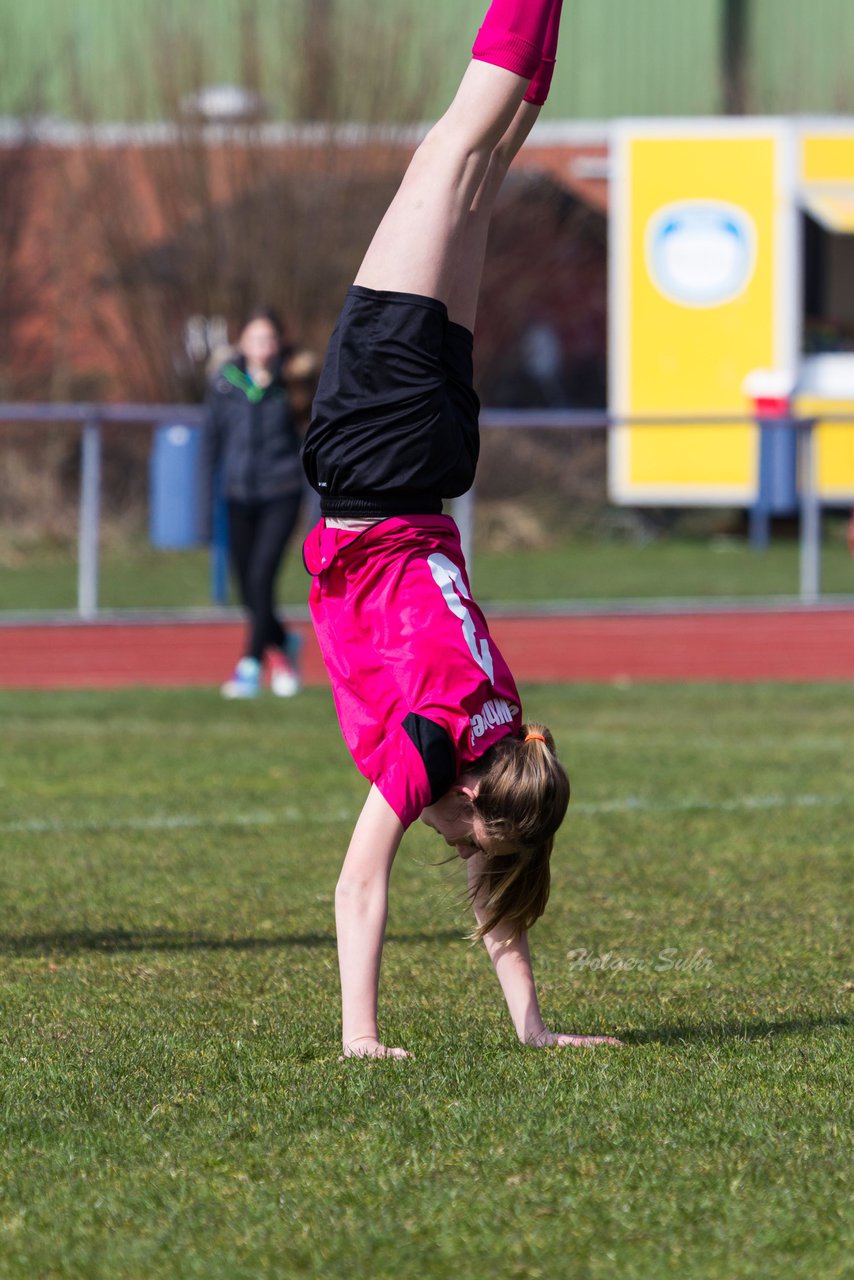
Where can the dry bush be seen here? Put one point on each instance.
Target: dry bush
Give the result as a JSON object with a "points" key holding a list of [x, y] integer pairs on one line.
{"points": [[209, 220], [165, 240], [545, 272]]}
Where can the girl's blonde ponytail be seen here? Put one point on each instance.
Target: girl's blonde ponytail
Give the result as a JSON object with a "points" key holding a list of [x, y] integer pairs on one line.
{"points": [[522, 797]]}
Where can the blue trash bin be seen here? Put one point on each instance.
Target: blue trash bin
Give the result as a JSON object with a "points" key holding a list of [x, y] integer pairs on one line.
{"points": [[177, 500], [778, 468]]}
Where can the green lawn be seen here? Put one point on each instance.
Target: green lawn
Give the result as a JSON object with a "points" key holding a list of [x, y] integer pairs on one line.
{"points": [[172, 1101], [579, 570]]}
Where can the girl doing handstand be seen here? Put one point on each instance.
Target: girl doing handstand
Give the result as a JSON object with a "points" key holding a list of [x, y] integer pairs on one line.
{"points": [[426, 703]]}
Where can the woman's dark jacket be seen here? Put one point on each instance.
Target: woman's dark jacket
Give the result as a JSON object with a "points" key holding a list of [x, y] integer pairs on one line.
{"points": [[253, 440]]}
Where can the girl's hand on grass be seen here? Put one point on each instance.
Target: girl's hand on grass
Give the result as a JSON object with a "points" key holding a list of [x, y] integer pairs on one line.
{"points": [[555, 1040], [368, 1047]]}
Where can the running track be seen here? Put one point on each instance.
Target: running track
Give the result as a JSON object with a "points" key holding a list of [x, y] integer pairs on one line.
{"points": [[737, 645]]}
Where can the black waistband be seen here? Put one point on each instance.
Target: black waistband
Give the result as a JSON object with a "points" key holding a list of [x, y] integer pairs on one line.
{"points": [[379, 506]]}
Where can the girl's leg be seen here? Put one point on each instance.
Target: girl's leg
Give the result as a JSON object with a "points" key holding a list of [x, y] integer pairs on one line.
{"points": [[273, 530], [241, 535], [471, 243], [472, 238], [462, 301], [413, 248], [418, 244]]}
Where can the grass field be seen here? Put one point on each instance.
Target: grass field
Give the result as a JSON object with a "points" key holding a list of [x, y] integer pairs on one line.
{"points": [[172, 1101], [135, 576]]}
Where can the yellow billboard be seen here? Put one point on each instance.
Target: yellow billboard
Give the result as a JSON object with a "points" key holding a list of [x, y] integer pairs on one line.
{"points": [[834, 445], [703, 245], [827, 192]]}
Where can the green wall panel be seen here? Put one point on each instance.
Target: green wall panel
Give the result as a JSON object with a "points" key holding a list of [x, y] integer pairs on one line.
{"points": [[400, 58], [803, 55]]}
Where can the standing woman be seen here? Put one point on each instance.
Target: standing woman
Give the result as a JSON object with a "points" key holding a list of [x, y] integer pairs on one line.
{"points": [[255, 445], [426, 703]]}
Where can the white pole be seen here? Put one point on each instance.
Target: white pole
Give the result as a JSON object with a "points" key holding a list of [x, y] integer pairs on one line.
{"points": [[463, 511], [90, 512]]}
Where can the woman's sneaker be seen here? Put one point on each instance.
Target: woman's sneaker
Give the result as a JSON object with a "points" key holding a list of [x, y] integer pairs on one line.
{"points": [[246, 681], [284, 667]]}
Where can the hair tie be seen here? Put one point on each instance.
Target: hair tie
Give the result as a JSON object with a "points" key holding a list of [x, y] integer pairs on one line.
{"points": [[535, 737]]}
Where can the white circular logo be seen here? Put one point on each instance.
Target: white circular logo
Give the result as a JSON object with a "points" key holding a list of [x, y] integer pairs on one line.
{"points": [[701, 253]]}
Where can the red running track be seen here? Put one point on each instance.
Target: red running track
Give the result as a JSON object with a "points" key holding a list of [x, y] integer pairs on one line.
{"points": [[729, 646]]}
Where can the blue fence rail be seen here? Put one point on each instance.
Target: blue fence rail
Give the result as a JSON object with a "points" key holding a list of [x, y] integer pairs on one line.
{"points": [[91, 418]]}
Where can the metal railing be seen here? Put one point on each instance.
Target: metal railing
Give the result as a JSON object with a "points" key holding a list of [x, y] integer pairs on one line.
{"points": [[91, 418], [809, 498]]}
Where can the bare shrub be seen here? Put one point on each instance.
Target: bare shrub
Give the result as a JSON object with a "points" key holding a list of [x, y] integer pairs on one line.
{"points": [[165, 236], [207, 219]]}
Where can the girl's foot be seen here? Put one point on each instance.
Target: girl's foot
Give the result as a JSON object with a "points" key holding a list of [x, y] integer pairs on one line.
{"points": [[284, 667], [246, 680]]}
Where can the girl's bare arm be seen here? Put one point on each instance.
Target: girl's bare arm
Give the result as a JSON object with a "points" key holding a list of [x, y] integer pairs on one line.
{"points": [[511, 959], [361, 909]]}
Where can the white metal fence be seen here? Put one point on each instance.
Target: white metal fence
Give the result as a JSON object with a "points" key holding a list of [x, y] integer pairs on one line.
{"points": [[90, 420]]}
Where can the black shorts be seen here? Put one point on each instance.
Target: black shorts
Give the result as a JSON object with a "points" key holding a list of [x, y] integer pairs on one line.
{"points": [[394, 428]]}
